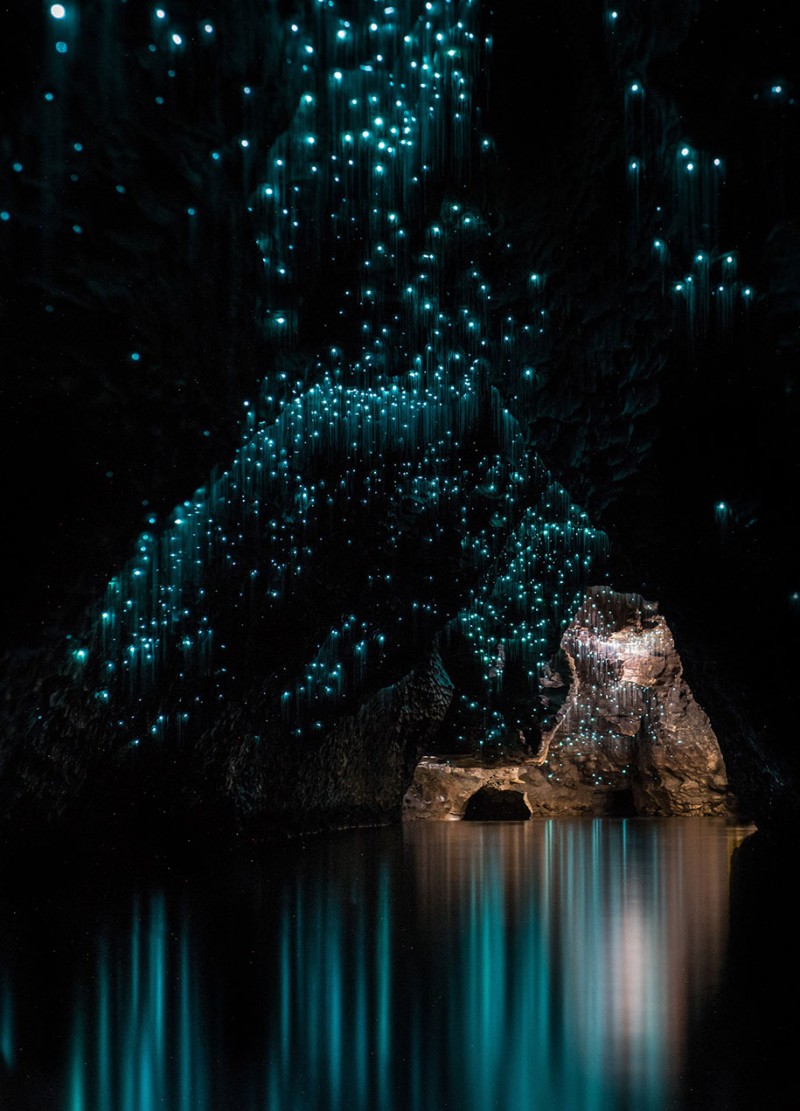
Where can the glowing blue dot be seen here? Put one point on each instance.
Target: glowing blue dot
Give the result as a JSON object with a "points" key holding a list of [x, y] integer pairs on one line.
{"points": [[190, 211], [341, 34], [777, 90], [58, 11], [48, 96], [77, 147], [658, 244], [209, 30], [633, 165], [120, 188], [310, 140], [17, 167], [5, 216], [61, 48], [747, 292], [689, 167], [685, 152], [176, 38], [77, 229], [309, 49], [160, 13], [215, 155], [337, 75], [135, 356], [244, 142], [246, 90], [699, 258], [717, 162], [613, 15], [635, 87]]}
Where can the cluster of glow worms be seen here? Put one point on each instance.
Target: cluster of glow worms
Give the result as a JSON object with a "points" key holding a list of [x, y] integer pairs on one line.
{"points": [[388, 113], [699, 274]]}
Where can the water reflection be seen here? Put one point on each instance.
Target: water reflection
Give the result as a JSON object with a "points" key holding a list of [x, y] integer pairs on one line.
{"points": [[540, 965], [573, 957]]}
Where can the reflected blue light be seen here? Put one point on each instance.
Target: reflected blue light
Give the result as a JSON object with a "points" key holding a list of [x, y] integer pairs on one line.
{"points": [[7, 1052], [444, 965]]}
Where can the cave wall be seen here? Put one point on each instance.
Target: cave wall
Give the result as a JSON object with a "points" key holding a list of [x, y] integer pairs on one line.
{"points": [[626, 303]]}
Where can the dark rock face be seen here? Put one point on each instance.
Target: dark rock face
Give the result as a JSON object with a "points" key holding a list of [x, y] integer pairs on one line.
{"points": [[357, 775], [490, 804], [231, 786]]}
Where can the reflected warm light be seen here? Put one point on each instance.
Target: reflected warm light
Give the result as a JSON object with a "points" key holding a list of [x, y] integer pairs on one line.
{"points": [[537, 965], [580, 950]]}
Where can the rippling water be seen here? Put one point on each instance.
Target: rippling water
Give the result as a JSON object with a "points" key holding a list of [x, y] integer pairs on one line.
{"points": [[541, 965]]}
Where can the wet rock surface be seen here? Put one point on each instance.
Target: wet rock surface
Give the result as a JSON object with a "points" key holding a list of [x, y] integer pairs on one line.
{"points": [[629, 738]]}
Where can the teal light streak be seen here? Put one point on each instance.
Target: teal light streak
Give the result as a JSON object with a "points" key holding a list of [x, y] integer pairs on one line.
{"points": [[187, 1093], [7, 1048], [77, 1068], [104, 1041], [383, 971]]}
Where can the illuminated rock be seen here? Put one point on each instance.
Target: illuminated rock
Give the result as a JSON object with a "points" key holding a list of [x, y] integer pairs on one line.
{"points": [[629, 739], [630, 717]]}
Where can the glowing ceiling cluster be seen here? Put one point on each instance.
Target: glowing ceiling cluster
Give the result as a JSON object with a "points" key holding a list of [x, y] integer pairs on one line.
{"points": [[386, 436], [699, 274]]}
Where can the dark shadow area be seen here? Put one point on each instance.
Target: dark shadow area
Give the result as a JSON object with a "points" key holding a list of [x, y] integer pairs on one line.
{"points": [[492, 804]]}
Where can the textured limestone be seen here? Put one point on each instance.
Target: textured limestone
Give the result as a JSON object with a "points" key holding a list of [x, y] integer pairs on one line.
{"points": [[630, 737]]}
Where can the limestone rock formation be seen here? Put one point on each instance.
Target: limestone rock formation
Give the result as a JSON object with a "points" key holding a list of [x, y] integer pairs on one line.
{"points": [[629, 739]]}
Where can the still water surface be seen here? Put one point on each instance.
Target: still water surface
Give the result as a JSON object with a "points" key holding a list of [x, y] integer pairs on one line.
{"points": [[541, 965]]}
